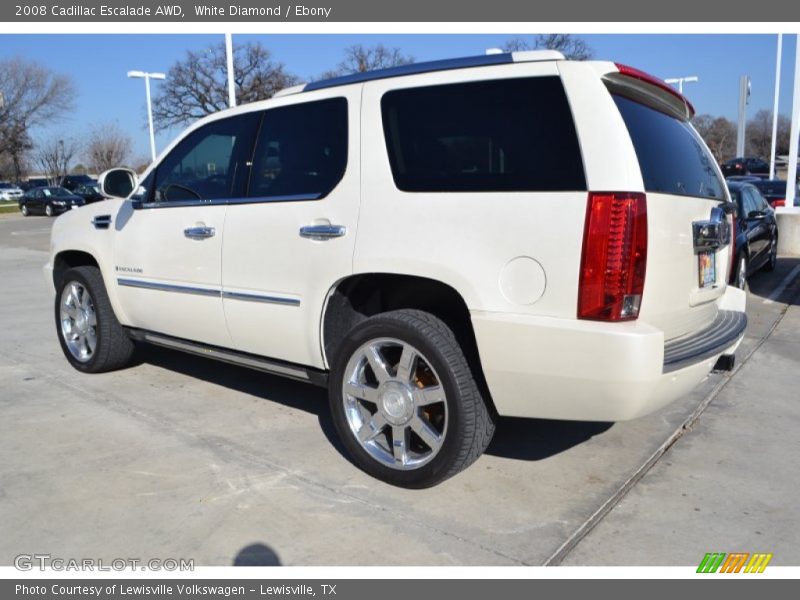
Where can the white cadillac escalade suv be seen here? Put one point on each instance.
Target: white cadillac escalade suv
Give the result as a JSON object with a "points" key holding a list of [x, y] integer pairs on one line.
{"points": [[438, 244]]}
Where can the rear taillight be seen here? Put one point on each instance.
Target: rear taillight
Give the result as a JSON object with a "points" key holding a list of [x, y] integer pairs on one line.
{"points": [[779, 203], [614, 256]]}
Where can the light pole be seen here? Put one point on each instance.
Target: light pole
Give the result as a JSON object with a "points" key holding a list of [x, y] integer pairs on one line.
{"points": [[775, 108], [229, 60], [147, 77], [681, 80]]}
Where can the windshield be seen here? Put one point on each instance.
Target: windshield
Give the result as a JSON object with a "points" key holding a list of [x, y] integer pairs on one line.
{"points": [[57, 191]]}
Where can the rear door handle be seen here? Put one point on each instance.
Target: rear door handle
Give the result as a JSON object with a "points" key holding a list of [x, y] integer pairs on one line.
{"points": [[199, 233], [322, 232]]}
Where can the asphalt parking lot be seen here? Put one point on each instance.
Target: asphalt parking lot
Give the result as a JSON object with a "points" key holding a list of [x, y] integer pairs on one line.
{"points": [[184, 458]]}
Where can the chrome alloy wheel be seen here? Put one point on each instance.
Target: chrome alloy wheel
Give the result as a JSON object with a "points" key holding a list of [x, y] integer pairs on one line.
{"points": [[395, 404], [78, 321]]}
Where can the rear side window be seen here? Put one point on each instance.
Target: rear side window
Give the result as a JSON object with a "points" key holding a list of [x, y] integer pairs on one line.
{"points": [[489, 136], [301, 150], [671, 155]]}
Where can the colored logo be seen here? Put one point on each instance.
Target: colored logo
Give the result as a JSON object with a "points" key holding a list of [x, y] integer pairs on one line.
{"points": [[735, 562]]}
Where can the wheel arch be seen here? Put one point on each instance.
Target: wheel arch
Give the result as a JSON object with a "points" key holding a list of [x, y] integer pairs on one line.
{"points": [[69, 259], [360, 296]]}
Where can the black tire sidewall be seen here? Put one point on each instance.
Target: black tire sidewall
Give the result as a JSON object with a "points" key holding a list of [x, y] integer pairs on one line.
{"points": [[438, 468], [48, 210]]}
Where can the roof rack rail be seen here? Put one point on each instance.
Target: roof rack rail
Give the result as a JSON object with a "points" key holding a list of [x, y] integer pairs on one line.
{"points": [[466, 62]]}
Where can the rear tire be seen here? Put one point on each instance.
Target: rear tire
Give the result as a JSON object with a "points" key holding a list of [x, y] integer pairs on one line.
{"points": [[90, 335], [741, 271], [773, 256], [404, 401]]}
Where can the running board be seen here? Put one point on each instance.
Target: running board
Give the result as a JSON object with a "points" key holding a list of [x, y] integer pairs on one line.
{"points": [[242, 359]]}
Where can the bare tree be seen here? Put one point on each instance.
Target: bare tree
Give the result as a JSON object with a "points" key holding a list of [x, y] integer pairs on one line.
{"points": [[54, 157], [108, 147], [759, 134], [32, 95], [197, 85], [572, 47], [360, 59], [719, 135]]}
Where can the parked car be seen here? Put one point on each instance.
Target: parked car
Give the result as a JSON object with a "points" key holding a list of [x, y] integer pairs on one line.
{"points": [[745, 166], [34, 183], [743, 178], [71, 182], [755, 233], [774, 190], [89, 192], [9, 191], [437, 244], [49, 201]]}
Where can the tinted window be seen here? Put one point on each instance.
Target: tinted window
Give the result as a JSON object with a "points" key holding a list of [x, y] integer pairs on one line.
{"points": [[210, 163], [671, 155], [301, 150], [501, 135]]}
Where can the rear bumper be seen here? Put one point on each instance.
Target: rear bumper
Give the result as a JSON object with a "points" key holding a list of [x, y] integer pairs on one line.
{"points": [[551, 368]]}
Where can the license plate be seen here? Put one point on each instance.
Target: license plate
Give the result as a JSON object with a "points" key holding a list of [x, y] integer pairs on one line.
{"points": [[707, 269]]}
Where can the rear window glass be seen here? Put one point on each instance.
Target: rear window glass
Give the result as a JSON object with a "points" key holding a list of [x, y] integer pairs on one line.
{"points": [[501, 135], [671, 155]]}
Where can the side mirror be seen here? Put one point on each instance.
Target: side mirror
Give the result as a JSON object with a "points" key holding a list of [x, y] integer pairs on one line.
{"points": [[118, 183], [755, 214]]}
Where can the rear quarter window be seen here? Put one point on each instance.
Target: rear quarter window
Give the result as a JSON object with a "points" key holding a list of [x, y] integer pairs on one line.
{"points": [[672, 158], [500, 135]]}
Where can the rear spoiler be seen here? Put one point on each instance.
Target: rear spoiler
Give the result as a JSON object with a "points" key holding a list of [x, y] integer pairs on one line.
{"points": [[648, 90]]}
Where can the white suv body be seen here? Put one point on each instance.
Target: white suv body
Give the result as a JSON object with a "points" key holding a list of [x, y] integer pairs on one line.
{"points": [[397, 209]]}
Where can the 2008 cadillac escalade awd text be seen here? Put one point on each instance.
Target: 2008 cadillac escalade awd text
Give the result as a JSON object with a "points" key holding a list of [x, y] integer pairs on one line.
{"points": [[439, 244]]}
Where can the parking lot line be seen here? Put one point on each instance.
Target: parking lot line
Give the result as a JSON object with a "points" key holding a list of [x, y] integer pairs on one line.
{"points": [[782, 286]]}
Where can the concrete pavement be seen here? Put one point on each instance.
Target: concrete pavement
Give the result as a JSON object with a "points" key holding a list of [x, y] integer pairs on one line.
{"points": [[181, 457]]}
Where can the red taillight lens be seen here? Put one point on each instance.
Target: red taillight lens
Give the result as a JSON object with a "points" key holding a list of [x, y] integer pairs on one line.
{"points": [[779, 203], [614, 256]]}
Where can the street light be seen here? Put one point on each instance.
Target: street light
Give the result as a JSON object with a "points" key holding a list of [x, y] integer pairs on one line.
{"points": [[681, 80], [147, 77]]}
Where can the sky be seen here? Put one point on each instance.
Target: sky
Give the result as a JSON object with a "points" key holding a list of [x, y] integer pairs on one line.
{"points": [[99, 63]]}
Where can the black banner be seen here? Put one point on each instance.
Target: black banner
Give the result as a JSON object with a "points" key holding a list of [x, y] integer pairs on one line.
{"points": [[375, 589], [215, 11]]}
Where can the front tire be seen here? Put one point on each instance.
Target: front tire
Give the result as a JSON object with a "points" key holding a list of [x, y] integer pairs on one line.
{"points": [[48, 210], [404, 401], [91, 338]]}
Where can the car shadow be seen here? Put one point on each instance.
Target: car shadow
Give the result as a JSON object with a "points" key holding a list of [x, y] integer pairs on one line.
{"points": [[537, 439], [764, 284], [257, 555], [515, 438]]}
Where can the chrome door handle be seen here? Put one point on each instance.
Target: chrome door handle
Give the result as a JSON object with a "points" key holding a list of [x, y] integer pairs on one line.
{"points": [[322, 232], [199, 233]]}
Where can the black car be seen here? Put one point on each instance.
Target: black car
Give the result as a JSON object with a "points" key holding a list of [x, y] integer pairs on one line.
{"points": [[71, 182], [89, 192], [33, 183], [49, 201], [774, 190], [755, 240], [745, 166]]}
